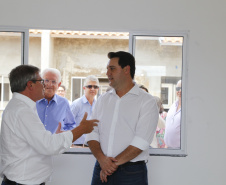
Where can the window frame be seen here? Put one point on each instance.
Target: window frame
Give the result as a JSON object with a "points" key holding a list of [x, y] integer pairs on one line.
{"points": [[182, 152], [24, 51], [24, 40]]}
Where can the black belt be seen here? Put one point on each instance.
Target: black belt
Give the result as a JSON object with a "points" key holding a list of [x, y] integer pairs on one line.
{"points": [[133, 163], [13, 182], [81, 145]]}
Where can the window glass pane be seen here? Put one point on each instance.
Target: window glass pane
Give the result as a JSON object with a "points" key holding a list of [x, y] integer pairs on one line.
{"points": [[76, 54], [35, 50], [10, 57], [164, 95], [77, 84], [10, 51], [159, 68]]}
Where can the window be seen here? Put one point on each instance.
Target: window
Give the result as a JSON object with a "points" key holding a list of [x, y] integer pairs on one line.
{"points": [[160, 63], [13, 48], [76, 54]]}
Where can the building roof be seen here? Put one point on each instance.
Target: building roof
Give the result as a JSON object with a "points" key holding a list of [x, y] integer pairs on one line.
{"points": [[80, 34]]}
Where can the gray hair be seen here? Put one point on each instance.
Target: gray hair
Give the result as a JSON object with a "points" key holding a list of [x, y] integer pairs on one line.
{"points": [[91, 78], [54, 71], [179, 82], [159, 102], [20, 75]]}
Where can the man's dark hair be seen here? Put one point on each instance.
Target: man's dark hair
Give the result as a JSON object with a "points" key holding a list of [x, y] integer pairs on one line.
{"points": [[125, 59], [20, 75], [143, 87]]}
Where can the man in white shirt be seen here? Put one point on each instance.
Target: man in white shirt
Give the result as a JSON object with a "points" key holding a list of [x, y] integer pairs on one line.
{"points": [[26, 146], [128, 120]]}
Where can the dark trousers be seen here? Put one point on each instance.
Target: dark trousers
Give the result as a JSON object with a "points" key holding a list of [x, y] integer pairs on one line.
{"points": [[135, 174], [6, 181]]}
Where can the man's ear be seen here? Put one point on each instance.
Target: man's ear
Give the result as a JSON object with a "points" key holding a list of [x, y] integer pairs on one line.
{"points": [[127, 69], [29, 85], [59, 84]]}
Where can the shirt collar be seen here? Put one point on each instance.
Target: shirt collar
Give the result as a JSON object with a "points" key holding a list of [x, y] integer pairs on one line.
{"points": [[53, 99], [84, 99], [135, 90], [25, 99], [176, 103]]}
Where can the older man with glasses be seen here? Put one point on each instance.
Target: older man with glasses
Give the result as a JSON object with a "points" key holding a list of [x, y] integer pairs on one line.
{"points": [[26, 147], [53, 108], [85, 104]]}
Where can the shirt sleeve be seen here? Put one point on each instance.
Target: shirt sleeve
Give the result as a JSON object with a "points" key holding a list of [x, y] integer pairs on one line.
{"points": [[94, 135], [69, 122], [146, 125], [30, 129], [75, 110]]}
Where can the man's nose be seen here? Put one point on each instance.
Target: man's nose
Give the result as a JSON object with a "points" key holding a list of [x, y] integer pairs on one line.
{"points": [[107, 73]]}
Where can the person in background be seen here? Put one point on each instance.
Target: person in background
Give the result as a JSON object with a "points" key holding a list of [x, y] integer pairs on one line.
{"points": [[26, 147], [85, 104], [172, 130], [162, 112], [158, 140], [128, 119], [53, 108], [144, 88], [61, 91]]}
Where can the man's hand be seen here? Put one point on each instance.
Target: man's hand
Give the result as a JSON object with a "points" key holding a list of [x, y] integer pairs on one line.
{"points": [[108, 165], [59, 129], [103, 176], [85, 127]]}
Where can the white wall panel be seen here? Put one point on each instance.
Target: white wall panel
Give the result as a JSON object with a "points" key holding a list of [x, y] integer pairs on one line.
{"points": [[206, 125]]}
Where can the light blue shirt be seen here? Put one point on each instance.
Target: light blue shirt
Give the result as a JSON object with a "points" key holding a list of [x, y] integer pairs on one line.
{"points": [[57, 110], [78, 108]]}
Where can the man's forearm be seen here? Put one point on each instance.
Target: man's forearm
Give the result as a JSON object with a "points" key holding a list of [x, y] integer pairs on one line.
{"points": [[128, 154], [85, 126], [96, 149], [77, 133], [107, 164]]}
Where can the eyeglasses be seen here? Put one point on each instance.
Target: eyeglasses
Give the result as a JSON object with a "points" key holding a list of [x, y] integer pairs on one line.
{"points": [[60, 91], [41, 81], [92, 86], [50, 81], [178, 88]]}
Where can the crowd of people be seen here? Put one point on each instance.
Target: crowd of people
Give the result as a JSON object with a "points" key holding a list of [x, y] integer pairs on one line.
{"points": [[118, 127]]}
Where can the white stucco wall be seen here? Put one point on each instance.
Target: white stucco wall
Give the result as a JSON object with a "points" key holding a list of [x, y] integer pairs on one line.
{"points": [[205, 20]]}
